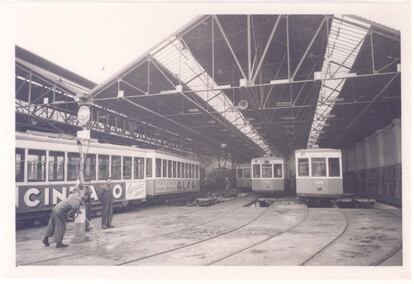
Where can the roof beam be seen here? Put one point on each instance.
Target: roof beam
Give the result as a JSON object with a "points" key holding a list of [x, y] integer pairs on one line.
{"points": [[324, 21], [230, 47], [259, 66]]}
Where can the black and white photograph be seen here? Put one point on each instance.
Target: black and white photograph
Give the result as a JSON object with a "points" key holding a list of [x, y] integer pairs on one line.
{"points": [[231, 136]]}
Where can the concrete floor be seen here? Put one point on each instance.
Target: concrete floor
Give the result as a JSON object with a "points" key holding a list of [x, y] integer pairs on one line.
{"points": [[228, 233]]}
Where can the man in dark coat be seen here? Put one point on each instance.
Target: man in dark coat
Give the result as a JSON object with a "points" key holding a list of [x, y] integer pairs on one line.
{"points": [[57, 223], [88, 209], [107, 204]]}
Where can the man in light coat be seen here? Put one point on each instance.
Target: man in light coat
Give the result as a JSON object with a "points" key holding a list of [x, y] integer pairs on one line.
{"points": [[57, 222]]}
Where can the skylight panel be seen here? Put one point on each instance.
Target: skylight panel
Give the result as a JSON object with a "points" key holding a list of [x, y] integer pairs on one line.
{"points": [[178, 60], [344, 43]]}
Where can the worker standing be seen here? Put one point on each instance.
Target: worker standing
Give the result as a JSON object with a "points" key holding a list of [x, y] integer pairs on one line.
{"points": [[107, 204], [88, 209], [57, 223]]}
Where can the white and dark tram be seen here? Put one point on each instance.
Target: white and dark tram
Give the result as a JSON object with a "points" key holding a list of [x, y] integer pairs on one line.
{"points": [[47, 168], [319, 173], [244, 177], [268, 175]]}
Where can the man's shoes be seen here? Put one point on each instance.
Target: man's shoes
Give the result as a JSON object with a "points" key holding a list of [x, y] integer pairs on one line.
{"points": [[61, 245], [110, 226], [103, 227], [46, 241], [87, 229]]}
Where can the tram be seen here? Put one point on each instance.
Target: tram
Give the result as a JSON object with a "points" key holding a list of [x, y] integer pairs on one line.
{"points": [[319, 173], [244, 177], [268, 175], [47, 167]]}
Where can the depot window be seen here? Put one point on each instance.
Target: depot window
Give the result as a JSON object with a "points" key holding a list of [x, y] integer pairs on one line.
{"points": [[303, 167], [90, 167], [277, 170], [174, 169], [56, 163], [138, 168], [318, 167], [36, 165], [103, 167], [116, 167], [19, 164], [127, 168], [182, 171], [185, 170], [266, 171], [197, 172], [157, 167], [239, 173], [190, 170], [333, 167], [246, 173], [149, 167], [256, 171], [169, 169]]}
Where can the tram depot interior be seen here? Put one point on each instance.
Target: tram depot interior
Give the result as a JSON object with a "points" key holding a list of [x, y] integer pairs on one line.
{"points": [[238, 140]]}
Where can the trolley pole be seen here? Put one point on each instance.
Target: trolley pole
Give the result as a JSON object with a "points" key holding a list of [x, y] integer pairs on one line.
{"points": [[82, 136]]}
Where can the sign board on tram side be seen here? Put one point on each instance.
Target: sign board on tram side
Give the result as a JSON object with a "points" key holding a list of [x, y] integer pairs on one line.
{"points": [[173, 186], [30, 197]]}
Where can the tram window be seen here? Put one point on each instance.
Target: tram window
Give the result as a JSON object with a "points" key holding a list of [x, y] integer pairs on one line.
{"points": [[90, 167], [256, 171], [116, 167], [303, 167], [246, 173], [266, 171], [103, 166], [318, 167], [56, 164], [239, 173], [157, 168], [127, 168], [73, 166], [277, 170], [149, 167], [19, 167], [169, 169], [138, 168], [179, 169], [197, 172], [333, 167], [164, 168], [174, 169], [36, 167]]}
